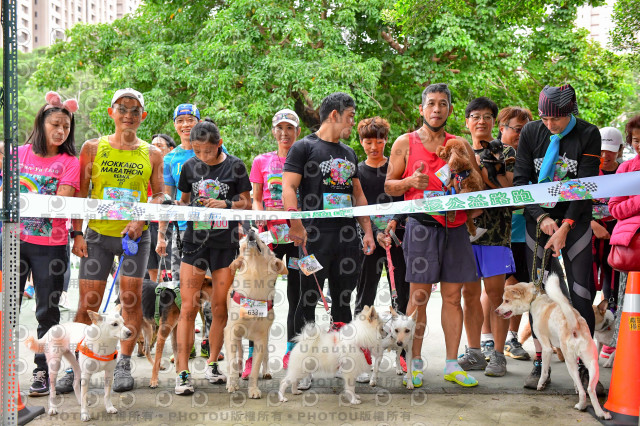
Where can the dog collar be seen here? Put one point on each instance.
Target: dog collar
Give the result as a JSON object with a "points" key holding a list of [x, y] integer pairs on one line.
{"points": [[462, 175], [235, 296], [83, 349]]}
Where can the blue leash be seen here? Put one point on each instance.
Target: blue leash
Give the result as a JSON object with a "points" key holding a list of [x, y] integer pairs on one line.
{"points": [[129, 247]]}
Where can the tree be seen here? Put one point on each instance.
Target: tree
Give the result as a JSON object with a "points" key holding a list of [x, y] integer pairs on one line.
{"points": [[625, 34], [242, 60]]}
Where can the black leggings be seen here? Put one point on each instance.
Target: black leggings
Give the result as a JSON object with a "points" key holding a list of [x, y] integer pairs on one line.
{"points": [[337, 252], [370, 273], [47, 264], [577, 258]]}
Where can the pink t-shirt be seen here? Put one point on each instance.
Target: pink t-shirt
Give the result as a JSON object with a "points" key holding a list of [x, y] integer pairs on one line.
{"points": [[44, 176], [267, 170]]}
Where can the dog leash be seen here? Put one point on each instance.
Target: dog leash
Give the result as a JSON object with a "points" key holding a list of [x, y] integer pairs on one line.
{"points": [[324, 301], [537, 281], [391, 268], [129, 247]]}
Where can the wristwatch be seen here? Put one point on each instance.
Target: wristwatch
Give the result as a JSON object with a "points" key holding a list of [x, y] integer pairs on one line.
{"points": [[229, 203], [74, 234]]}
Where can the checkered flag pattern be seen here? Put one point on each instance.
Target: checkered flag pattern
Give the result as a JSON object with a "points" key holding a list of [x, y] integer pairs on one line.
{"points": [[133, 212], [325, 166], [572, 165], [555, 190]]}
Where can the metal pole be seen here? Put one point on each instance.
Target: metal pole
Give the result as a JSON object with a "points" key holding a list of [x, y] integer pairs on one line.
{"points": [[10, 217]]}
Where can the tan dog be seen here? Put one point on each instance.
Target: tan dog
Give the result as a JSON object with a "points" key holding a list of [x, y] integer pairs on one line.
{"points": [[525, 334], [557, 323], [603, 333], [250, 307], [456, 155]]}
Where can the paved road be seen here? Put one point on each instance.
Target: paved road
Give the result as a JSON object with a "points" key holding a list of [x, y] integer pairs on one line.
{"points": [[495, 401]]}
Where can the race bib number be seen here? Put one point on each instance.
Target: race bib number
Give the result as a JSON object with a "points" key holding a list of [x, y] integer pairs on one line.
{"points": [[444, 174], [121, 194], [254, 308], [381, 220], [309, 265], [600, 211], [216, 224], [333, 200], [280, 233], [293, 263], [431, 194]]}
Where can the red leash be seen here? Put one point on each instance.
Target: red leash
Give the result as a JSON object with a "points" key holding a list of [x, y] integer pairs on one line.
{"points": [[324, 301]]}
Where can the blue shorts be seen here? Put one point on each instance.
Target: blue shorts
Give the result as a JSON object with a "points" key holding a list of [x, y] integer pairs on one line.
{"points": [[493, 260]]}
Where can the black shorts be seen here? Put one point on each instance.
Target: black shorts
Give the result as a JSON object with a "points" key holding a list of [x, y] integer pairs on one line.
{"points": [[519, 251], [207, 258]]}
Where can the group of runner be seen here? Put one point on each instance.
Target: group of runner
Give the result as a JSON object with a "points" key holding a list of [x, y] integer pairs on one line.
{"points": [[317, 172]]}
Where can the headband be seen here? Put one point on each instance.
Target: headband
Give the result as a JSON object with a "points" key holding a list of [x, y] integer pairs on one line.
{"points": [[54, 100]]}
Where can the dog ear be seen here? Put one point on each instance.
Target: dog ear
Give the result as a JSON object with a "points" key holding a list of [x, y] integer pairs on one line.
{"points": [[393, 312], [372, 315], [96, 318], [485, 144], [602, 306], [237, 263], [441, 152], [281, 267], [414, 315]]}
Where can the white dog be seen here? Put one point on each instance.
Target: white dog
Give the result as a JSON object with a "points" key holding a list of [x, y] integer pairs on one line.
{"points": [[557, 323], [97, 345], [250, 308], [327, 352], [398, 332]]}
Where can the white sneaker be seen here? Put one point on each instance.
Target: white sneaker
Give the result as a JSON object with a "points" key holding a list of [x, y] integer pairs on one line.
{"points": [[305, 383], [214, 375], [64, 301], [184, 384], [363, 378]]}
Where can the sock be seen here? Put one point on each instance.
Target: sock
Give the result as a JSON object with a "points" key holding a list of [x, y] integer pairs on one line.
{"points": [[451, 365], [476, 350], [290, 346], [512, 335], [485, 337], [417, 364], [538, 355], [250, 352]]}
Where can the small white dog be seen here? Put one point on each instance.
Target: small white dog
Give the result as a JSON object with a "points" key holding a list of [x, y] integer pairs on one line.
{"points": [[250, 308], [557, 323], [97, 344], [327, 352], [398, 332]]}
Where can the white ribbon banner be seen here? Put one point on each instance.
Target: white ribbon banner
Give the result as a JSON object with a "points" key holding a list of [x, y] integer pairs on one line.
{"points": [[53, 206]]}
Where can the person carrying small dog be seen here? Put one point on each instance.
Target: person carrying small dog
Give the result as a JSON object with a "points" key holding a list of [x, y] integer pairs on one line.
{"points": [[119, 168], [557, 148], [48, 165], [492, 251], [325, 172], [435, 249]]}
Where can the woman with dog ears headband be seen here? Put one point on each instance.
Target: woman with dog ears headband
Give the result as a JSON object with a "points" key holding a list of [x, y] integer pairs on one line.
{"points": [[48, 165]]}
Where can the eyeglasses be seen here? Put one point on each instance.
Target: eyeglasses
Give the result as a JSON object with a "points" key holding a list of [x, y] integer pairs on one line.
{"points": [[477, 117], [515, 129], [124, 110]]}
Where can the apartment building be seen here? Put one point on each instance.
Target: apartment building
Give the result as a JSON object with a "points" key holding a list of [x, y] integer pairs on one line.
{"points": [[42, 22], [597, 20]]}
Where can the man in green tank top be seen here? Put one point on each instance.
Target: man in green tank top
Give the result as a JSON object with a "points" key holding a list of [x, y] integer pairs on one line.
{"points": [[118, 167]]}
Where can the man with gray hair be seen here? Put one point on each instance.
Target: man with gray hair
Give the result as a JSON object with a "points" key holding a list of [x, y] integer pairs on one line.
{"points": [[435, 251]]}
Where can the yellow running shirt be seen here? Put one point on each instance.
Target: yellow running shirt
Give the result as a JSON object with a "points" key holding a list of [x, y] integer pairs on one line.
{"points": [[121, 176]]}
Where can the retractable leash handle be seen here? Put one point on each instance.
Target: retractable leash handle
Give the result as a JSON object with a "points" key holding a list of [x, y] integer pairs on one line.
{"points": [[130, 248]]}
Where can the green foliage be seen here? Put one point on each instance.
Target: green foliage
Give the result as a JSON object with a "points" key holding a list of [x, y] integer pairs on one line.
{"points": [[626, 32], [242, 60]]}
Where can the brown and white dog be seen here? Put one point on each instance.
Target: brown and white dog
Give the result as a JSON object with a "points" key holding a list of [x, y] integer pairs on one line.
{"points": [[97, 344], [250, 309], [557, 323], [603, 332]]}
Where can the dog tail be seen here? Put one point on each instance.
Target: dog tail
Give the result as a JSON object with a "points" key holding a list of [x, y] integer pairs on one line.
{"points": [[34, 345], [552, 287], [310, 332]]}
